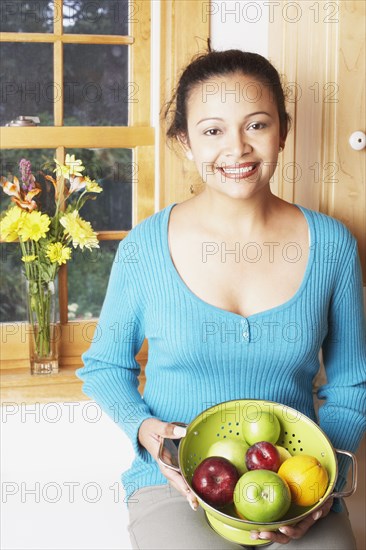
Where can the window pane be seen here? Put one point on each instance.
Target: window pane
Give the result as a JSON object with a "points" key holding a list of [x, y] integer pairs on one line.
{"points": [[88, 274], [13, 305], [29, 16], [114, 170], [96, 17], [97, 92], [27, 86]]}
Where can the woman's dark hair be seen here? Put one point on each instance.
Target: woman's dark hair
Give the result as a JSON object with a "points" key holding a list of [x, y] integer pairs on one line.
{"points": [[218, 63]]}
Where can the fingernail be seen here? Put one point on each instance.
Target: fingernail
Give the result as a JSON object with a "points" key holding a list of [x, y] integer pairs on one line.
{"points": [[283, 530], [317, 515], [179, 431], [263, 536], [192, 505], [253, 535]]}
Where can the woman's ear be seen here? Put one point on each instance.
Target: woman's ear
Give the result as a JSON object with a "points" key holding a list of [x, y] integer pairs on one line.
{"points": [[282, 143], [184, 143]]}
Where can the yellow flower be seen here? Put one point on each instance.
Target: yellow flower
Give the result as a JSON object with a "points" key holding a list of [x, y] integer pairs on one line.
{"points": [[76, 165], [11, 224], [79, 230], [35, 226], [29, 258], [72, 167], [92, 186], [56, 252]]}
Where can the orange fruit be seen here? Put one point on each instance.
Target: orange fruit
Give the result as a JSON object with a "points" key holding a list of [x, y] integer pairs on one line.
{"points": [[306, 477]]}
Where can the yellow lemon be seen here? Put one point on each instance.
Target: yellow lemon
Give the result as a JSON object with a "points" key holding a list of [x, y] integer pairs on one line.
{"points": [[306, 477]]}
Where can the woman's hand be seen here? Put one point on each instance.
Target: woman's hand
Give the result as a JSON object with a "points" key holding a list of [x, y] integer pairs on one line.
{"points": [[287, 533], [150, 435]]}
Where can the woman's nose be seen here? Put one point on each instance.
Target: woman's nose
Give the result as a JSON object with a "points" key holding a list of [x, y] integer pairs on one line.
{"points": [[237, 145]]}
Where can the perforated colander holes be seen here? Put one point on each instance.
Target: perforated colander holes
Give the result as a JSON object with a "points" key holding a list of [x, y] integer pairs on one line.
{"points": [[291, 442], [230, 431], [193, 461]]}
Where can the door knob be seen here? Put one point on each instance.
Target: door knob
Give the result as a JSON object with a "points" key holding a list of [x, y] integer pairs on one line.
{"points": [[357, 141]]}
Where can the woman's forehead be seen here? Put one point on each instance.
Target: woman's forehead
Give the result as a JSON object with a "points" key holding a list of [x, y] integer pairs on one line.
{"points": [[228, 90]]}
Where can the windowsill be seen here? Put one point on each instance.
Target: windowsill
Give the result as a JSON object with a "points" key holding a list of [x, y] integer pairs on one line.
{"points": [[18, 386]]}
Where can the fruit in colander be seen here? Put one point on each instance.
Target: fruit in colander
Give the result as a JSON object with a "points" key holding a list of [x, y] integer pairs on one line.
{"points": [[262, 496], [233, 450], [263, 456], [284, 453], [260, 426], [214, 481], [307, 478]]}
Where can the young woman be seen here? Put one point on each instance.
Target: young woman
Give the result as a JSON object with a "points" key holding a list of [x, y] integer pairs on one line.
{"points": [[236, 292]]}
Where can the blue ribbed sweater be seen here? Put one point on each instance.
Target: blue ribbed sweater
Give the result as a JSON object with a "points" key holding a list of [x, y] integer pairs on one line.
{"points": [[201, 355]]}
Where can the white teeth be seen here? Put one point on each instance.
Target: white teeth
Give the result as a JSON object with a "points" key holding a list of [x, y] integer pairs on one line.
{"points": [[238, 171]]}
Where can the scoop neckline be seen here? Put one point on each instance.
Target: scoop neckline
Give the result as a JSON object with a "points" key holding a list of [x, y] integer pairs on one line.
{"points": [[176, 276]]}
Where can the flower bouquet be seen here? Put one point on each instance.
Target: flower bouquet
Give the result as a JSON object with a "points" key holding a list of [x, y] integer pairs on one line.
{"points": [[47, 224]]}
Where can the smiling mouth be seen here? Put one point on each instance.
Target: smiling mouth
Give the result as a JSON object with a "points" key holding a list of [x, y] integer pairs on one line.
{"points": [[239, 171]]}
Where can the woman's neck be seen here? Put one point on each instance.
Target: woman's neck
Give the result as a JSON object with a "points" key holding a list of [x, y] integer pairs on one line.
{"points": [[220, 212]]}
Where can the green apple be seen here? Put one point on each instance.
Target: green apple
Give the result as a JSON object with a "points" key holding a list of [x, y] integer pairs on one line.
{"points": [[284, 454], [261, 427], [262, 496], [233, 450]]}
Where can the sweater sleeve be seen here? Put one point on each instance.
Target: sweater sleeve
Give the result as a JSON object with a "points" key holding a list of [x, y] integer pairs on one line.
{"points": [[342, 416], [110, 372]]}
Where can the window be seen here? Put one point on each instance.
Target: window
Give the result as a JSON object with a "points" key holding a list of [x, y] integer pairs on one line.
{"points": [[91, 93], [83, 67]]}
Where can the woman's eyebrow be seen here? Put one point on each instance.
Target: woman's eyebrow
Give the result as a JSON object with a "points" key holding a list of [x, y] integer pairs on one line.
{"points": [[222, 120], [209, 118]]}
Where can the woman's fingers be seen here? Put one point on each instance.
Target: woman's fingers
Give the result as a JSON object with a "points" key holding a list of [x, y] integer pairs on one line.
{"points": [[273, 536], [176, 480], [151, 433], [153, 427], [291, 532], [169, 430]]}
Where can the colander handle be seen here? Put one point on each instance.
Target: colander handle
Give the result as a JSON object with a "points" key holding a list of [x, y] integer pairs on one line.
{"points": [[169, 443], [352, 489]]}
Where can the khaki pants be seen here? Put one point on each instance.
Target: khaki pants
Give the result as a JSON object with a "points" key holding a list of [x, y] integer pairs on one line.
{"points": [[161, 519]]}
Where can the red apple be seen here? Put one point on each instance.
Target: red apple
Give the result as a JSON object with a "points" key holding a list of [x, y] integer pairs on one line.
{"points": [[263, 456], [214, 481]]}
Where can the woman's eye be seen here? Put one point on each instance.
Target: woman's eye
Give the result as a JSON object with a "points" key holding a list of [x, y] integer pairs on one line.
{"points": [[257, 126], [212, 132]]}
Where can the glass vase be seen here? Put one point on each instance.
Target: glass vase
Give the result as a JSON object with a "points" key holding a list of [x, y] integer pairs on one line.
{"points": [[44, 330]]}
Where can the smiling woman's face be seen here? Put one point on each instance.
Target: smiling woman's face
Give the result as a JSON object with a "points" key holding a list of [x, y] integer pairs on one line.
{"points": [[234, 134]]}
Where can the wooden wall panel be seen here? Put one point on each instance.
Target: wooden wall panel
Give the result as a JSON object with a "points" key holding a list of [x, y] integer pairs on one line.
{"points": [[177, 174], [322, 56]]}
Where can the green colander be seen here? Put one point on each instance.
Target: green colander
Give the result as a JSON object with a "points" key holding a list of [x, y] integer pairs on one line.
{"points": [[299, 435]]}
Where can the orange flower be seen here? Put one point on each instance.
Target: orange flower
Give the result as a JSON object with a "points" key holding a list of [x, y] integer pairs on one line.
{"points": [[54, 183], [24, 199]]}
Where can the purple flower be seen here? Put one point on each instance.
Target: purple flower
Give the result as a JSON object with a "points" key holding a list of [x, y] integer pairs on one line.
{"points": [[26, 175]]}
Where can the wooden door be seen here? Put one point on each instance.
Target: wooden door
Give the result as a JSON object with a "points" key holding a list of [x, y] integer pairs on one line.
{"points": [[320, 48]]}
